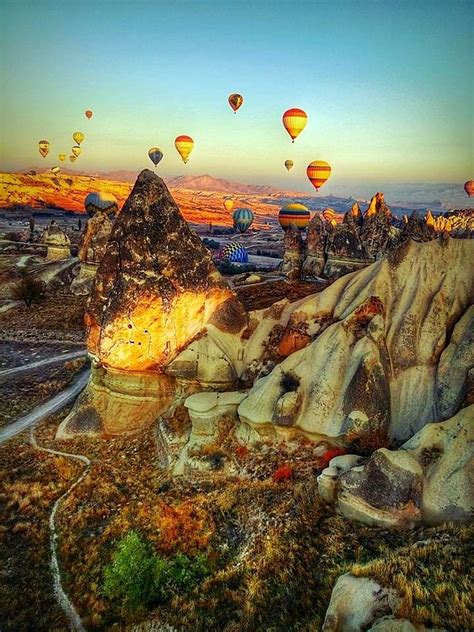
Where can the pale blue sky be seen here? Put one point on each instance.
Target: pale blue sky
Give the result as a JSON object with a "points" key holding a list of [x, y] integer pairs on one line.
{"points": [[387, 86]]}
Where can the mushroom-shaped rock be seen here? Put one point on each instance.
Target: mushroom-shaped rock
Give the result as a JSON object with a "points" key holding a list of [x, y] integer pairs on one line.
{"points": [[57, 241]]}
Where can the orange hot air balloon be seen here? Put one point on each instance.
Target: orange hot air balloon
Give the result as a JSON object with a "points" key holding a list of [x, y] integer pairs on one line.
{"points": [[235, 101], [469, 187], [184, 144], [43, 147], [89, 113], [294, 121], [318, 172], [62, 157], [228, 204]]}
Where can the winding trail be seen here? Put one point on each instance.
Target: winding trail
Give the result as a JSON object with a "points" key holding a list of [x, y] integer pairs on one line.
{"points": [[71, 355], [63, 600], [46, 408]]}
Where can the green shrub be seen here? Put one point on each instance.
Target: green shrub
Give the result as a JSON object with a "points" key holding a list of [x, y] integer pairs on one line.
{"points": [[138, 577]]}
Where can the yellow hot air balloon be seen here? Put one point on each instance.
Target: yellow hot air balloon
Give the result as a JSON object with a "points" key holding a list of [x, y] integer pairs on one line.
{"points": [[55, 170], [329, 214], [62, 157], [73, 158], [228, 204], [78, 137], [294, 121], [76, 150], [184, 144], [43, 147], [289, 164], [235, 101], [318, 172]]}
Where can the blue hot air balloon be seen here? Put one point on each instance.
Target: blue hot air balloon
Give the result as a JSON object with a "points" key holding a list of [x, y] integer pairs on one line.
{"points": [[234, 253], [243, 218]]}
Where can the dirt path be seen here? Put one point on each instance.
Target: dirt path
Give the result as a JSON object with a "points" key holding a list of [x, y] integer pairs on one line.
{"points": [[5, 373], [63, 600]]}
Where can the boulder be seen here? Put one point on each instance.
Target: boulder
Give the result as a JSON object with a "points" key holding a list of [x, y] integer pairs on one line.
{"points": [[427, 479]]}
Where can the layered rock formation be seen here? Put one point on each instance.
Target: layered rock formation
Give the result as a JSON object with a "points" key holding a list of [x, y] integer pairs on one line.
{"points": [[315, 257], [57, 241], [293, 253], [357, 363], [155, 290]]}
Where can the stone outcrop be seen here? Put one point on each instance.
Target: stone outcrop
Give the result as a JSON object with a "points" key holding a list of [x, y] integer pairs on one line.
{"points": [[91, 250], [357, 363], [375, 231], [344, 250], [315, 257], [156, 289], [428, 479], [417, 228], [293, 253], [57, 241]]}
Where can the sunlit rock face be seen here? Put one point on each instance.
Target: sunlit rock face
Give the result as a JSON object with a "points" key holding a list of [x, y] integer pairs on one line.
{"points": [[91, 250], [57, 241], [156, 286], [156, 289], [365, 362]]}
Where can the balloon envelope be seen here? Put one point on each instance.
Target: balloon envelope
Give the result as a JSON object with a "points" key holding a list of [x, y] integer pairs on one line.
{"points": [[289, 164], [294, 121], [62, 157], [329, 214], [100, 201], [235, 101], [235, 253], [89, 113], [318, 172], [297, 214], [43, 147], [228, 204], [73, 158], [55, 170], [76, 150], [243, 218], [469, 187], [155, 155], [78, 137], [184, 144]]}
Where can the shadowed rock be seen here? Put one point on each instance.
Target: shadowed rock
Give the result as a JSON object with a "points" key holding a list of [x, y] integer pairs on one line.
{"points": [[375, 231], [293, 255], [315, 258]]}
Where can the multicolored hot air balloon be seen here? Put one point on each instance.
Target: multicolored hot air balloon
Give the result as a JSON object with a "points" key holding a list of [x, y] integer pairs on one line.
{"points": [[55, 170], [235, 101], [234, 253], [289, 164], [155, 155], [329, 214], [89, 113], [296, 214], [62, 157], [78, 137], [43, 147], [469, 187], [184, 145], [73, 158], [76, 150], [228, 204], [294, 121], [100, 201], [243, 218], [318, 172]]}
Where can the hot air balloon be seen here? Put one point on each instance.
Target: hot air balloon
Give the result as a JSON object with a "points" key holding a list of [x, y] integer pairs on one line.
{"points": [[78, 137], [62, 157], [184, 144], [296, 214], [55, 170], [289, 164], [73, 158], [235, 101], [329, 214], [76, 150], [100, 201], [469, 187], [228, 204], [243, 218], [89, 113], [234, 252], [318, 172], [43, 146], [155, 155], [294, 121]]}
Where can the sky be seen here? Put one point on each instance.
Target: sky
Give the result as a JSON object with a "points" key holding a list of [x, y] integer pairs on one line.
{"points": [[387, 86]]}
